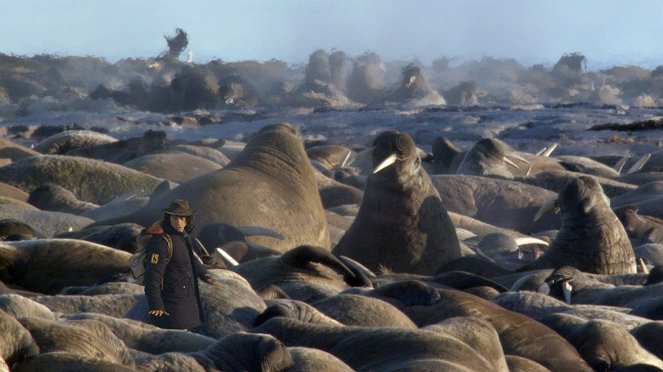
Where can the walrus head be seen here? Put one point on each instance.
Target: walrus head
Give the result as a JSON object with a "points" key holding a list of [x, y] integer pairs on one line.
{"points": [[492, 157], [398, 152], [583, 195], [562, 282]]}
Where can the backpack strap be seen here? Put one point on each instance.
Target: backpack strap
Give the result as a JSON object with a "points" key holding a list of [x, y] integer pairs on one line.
{"points": [[156, 229], [169, 243]]}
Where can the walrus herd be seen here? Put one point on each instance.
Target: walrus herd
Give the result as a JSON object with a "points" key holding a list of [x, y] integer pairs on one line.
{"points": [[489, 259]]}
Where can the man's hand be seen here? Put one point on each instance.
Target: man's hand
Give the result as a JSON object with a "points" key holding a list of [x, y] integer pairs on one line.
{"points": [[158, 312]]}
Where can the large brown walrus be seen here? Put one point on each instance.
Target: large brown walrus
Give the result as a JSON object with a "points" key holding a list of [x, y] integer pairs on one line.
{"points": [[591, 238], [401, 224], [269, 184]]}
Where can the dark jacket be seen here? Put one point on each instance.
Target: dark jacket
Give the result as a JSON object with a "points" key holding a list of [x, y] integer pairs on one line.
{"points": [[172, 285]]}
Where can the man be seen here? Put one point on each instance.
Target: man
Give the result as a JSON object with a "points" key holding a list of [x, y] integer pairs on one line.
{"points": [[170, 277]]}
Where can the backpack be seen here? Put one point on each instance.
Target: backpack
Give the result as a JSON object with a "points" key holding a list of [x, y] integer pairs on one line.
{"points": [[138, 260]]}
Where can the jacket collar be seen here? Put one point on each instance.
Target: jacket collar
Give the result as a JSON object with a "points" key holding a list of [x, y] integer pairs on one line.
{"points": [[156, 228], [162, 227]]}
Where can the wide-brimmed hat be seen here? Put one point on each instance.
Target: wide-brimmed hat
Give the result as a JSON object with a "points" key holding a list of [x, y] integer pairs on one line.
{"points": [[179, 207]]}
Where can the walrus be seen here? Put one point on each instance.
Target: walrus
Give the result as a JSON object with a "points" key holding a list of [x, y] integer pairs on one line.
{"points": [[556, 180], [605, 345], [519, 334], [66, 361], [444, 153], [126, 203], [236, 91], [243, 351], [23, 307], [590, 238], [331, 156], [124, 150], [233, 241], [516, 363], [538, 306], [297, 310], [42, 223], [380, 349], [578, 288], [61, 143], [355, 310], [269, 184], [148, 338], [17, 343], [103, 181], [121, 236], [210, 151], [488, 157], [334, 193], [499, 202], [51, 197], [401, 224], [587, 165], [174, 166], [87, 338], [14, 151], [306, 272], [11, 230], [13, 192], [116, 305], [476, 332], [647, 335], [642, 229], [401, 293], [48, 265], [414, 90], [310, 359]]}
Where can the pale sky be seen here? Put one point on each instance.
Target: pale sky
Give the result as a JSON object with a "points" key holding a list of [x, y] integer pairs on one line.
{"points": [[607, 32]]}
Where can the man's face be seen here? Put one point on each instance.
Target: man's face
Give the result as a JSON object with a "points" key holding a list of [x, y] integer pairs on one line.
{"points": [[177, 222]]}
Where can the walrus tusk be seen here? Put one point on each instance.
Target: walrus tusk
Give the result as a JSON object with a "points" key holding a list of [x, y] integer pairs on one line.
{"points": [[391, 159], [526, 241], [127, 195], [567, 288], [639, 164], [544, 208], [529, 163], [227, 257], [530, 240], [201, 246], [518, 157], [345, 160], [200, 260], [547, 150], [550, 150], [510, 162], [257, 230], [643, 266], [620, 165], [365, 270]]}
